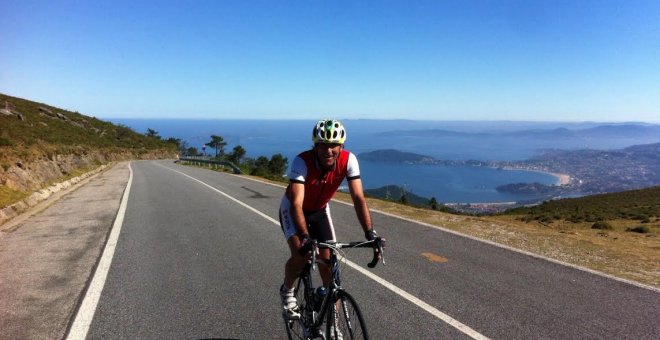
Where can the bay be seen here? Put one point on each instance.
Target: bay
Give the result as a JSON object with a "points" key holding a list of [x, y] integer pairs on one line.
{"points": [[451, 184]]}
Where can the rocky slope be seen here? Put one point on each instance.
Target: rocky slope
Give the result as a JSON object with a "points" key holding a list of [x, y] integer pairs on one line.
{"points": [[31, 176]]}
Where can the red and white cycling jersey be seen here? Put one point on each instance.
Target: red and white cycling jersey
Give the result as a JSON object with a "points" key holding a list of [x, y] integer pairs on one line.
{"points": [[320, 185]]}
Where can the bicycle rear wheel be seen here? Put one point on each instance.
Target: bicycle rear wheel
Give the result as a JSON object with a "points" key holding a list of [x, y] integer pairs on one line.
{"points": [[295, 329], [345, 320]]}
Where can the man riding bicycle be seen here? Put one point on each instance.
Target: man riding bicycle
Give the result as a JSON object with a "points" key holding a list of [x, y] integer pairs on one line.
{"points": [[314, 178]]}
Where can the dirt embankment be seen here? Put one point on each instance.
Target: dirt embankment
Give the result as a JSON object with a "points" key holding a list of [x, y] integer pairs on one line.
{"points": [[34, 181]]}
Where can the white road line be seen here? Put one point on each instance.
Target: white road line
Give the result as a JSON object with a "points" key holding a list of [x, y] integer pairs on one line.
{"points": [[421, 304], [85, 314]]}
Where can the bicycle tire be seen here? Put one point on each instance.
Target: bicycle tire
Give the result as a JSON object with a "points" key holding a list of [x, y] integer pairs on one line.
{"points": [[295, 329], [347, 319]]}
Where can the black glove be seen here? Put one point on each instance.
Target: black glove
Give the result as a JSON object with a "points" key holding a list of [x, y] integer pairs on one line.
{"points": [[370, 235], [305, 244]]}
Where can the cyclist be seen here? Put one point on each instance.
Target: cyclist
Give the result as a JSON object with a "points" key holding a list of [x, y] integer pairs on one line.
{"points": [[314, 177]]}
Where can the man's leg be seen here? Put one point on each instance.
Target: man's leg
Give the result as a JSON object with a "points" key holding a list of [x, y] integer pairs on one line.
{"points": [[325, 271], [295, 264]]}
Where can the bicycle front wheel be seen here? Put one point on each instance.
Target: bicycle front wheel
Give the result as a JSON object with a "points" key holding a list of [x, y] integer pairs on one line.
{"points": [[345, 320], [295, 330]]}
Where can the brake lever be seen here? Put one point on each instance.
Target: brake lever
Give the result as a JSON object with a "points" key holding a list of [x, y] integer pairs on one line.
{"points": [[314, 250], [381, 248]]}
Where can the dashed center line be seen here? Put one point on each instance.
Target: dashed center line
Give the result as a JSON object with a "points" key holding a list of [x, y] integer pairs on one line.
{"points": [[434, 258]]}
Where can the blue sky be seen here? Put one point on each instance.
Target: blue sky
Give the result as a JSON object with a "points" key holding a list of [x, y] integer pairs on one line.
{"points": [[442, 60]]}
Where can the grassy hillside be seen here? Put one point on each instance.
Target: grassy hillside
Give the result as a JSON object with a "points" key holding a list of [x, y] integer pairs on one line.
{"points": [[635, 205], [29, 130], [41, 144]]}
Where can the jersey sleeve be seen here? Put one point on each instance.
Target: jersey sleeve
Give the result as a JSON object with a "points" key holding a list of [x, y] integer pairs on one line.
{"points": [[353, 169], [298, 171]]}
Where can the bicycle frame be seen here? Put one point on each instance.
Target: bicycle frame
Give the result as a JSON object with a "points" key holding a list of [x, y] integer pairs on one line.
{"points": [[313, 320], [317, 317]]}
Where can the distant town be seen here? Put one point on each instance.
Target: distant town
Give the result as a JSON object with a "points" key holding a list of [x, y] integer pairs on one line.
{"points": [[594, 171]]}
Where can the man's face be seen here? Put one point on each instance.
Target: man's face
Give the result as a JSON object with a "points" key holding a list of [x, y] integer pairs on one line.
{"points": [[327, 153]]}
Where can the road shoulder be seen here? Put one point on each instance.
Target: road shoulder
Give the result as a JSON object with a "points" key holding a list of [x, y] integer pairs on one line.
{"points": [[47, 258]]}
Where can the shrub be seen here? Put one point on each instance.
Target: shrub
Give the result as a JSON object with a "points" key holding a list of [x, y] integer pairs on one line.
{"points": [[546, 219], [576, 219], [5, 142], [602, 226], [641, 229]]}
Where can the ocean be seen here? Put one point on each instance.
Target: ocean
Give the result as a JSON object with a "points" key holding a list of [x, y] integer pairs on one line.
{"points": [[453, 140]]}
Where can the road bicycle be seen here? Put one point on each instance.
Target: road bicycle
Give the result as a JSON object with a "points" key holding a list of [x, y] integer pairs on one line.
{"points": [[342, 316]]}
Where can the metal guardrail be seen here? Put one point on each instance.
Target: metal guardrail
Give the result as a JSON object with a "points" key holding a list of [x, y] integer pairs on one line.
{"points": [[201, 160]]}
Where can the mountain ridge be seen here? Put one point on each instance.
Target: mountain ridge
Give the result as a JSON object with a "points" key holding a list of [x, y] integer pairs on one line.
{"points": [[621, 130]]}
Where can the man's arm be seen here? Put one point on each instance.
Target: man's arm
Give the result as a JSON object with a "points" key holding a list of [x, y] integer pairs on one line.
{"points": [[297, 198], [360, 204]]}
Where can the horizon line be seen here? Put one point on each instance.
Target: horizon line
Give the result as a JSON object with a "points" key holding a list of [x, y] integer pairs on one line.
{"points": [[395, 119]]}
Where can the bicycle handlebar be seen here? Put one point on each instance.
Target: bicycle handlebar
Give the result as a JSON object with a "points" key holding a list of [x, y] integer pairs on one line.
{"points": [[378, 244]]}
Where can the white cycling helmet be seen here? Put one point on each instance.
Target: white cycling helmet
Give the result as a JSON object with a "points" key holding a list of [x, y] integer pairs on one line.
{"points": [[329, 131]]}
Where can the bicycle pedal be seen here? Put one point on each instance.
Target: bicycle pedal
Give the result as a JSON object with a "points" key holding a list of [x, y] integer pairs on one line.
{"points": [[290, 315]]}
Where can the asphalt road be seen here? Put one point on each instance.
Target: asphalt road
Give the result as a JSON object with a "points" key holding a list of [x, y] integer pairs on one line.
{"points": [[192, 263]]}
